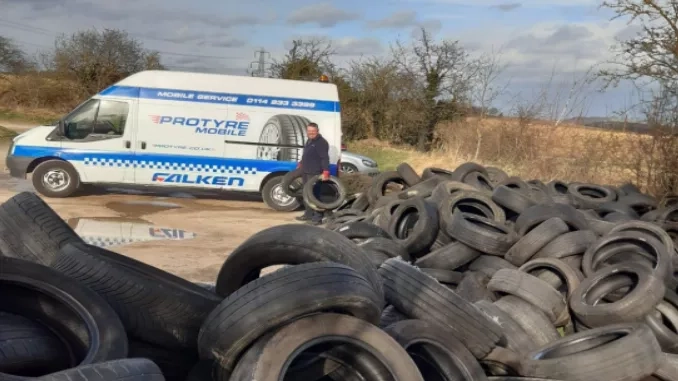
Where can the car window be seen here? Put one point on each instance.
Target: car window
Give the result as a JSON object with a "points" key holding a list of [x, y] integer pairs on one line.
{"points": [[98, 118]]}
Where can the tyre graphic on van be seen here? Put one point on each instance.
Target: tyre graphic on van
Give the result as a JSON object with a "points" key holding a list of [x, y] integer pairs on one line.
{"points": [[286, 130]]}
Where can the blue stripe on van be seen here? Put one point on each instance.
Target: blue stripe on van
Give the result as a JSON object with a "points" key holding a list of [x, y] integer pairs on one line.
{"points": [[162, 161], [222, 98]]}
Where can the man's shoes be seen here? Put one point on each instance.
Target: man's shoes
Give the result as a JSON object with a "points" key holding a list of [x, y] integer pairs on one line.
{"points": [[314, 223], [302, 218]]}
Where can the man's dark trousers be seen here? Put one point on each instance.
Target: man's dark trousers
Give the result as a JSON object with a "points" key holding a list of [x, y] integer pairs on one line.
{"points": [[310, 213]]}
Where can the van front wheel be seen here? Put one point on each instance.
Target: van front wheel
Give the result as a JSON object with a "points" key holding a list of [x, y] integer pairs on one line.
{"points": [[56, 179], [276, 198]]}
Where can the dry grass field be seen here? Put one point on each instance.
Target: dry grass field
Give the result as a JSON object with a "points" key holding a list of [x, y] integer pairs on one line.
{"points": [[531, 149]]}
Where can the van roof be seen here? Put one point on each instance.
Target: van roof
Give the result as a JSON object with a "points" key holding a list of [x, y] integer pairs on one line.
{"points": [[204, 82]]}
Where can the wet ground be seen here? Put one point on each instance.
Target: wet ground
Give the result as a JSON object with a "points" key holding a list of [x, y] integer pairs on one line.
{"points": [[188, 235]]}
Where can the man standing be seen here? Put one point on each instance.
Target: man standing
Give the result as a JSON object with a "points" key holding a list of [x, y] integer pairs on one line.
{"points": [[315, 161]]}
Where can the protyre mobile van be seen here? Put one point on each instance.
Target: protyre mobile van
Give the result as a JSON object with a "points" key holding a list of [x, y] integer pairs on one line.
{"points": [[182, 130]]}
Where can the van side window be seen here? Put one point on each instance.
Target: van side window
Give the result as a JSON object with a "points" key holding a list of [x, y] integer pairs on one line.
{"points": [[98, 119]]}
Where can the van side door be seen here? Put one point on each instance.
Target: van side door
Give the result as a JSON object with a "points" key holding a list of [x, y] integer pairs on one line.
{"points": [[98, 140]]}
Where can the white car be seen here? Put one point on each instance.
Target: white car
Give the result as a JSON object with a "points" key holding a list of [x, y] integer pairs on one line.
{"points": [[354, 163]]}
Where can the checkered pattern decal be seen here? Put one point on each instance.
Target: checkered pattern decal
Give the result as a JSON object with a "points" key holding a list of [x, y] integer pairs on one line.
{"points": [[170, 166], [111, 241]]}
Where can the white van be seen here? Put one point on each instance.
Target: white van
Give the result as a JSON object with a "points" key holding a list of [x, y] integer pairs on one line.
{"points": [[182, 130]]}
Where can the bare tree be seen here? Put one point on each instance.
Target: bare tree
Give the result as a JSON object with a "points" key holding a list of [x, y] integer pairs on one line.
{"points": [[442, 70], [653, 53], [306, 60], [12, 58], [485, 89], [97, 59]]}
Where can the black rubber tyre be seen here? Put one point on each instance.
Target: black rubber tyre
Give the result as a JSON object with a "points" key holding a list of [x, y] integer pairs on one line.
{"points": [[385, 246], [269, 357], [557, 270], [314, 203], [516, 183], [422, 297], [646, 293], [64, 170], [517, 338], [88, 326], [511, 199], [361, 202], [391, 315], [274, 300], [568, 244], [482, 234], [496, 175], [380, 183], [479, 181], [529, 244], [155, 306], [613, 353], [175, 365], [446, 277], [273, 190], [530, 318], [408, 174], [537, 214], [414, 225], [292, 244], [448, 257], [291, 132], [532, 289], [663, 324], [490, 264], [132, 369], [473, 287], [589, 196], [31, 230], [440, 172], [292, 183], [451, 358], [466, 169], [28, 348], [361, 230], [471, 202], [641, 245], [653, 229]]}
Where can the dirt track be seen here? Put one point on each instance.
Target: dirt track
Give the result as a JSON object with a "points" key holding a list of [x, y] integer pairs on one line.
{"points": [[218, 223]]}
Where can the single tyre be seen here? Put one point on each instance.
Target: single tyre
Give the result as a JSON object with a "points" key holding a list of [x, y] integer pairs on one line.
{"points": [[292, 244], [277, 299], [422, 297], [448, 356], [283, 130], [292, 183], [31, 230], [616, 352], [133, 369], [269, 358], [408, 173], [276, 198], [90, 329], [155, 306], [315, 203], [56, 179]]}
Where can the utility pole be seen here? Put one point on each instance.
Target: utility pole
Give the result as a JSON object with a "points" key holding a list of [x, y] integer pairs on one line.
{"points": [[260, 63]]}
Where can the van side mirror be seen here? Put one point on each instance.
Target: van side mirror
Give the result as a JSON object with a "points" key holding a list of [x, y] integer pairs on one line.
{"points": [[61, 128]]}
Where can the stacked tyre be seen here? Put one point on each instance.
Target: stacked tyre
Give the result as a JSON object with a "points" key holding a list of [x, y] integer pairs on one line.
{"points": [[460, 275]]}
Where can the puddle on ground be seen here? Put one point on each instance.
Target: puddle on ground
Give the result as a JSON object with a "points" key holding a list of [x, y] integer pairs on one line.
{"points": [[141, 207], [116, 231]]}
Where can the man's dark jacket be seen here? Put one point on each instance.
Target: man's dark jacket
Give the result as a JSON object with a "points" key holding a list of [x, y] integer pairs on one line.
{"points": [[316, 157]]}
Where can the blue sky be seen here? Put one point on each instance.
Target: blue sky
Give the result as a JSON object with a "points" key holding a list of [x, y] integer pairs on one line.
{"points": [[536, 37]]}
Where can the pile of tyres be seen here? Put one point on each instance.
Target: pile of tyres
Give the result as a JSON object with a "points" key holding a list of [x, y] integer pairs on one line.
{"points": [[464, 274]]}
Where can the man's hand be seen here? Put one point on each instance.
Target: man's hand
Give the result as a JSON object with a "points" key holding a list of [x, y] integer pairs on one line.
{"points": [[326, 175]]}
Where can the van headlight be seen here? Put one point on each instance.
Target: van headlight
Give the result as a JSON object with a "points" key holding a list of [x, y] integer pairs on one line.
{"points": [[369, 163]]}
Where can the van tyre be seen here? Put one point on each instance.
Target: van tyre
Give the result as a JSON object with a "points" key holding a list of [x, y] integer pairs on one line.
{"points": [[290, 130], [137, 369], [316, 204], [56, 179], [31, 230], [276, 198]]}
